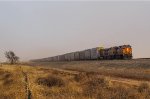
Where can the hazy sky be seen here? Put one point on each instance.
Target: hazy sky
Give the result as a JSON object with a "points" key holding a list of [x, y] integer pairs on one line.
{"points": [[43, 29]]}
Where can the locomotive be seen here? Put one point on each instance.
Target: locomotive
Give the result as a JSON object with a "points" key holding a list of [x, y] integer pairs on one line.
{"points": [[97, 53], [117, 52]]}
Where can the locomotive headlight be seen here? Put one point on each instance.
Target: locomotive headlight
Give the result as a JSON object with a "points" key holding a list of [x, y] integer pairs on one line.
{"points": [[127, 49]]}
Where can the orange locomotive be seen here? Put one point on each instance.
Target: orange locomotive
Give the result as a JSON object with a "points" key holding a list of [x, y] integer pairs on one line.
{"points": [[117, 52]]}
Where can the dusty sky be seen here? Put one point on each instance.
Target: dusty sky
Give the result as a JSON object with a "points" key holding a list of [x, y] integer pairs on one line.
{"points": [[41, 29]]}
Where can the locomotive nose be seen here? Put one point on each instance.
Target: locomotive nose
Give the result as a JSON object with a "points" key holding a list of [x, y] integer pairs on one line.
{"points": [[129, 50]]}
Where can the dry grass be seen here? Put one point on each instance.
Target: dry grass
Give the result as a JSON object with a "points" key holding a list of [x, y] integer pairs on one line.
{"points": [[144, 87], [85, 85], [11, 83], [50, 83], [138, 69], [99, 87]]}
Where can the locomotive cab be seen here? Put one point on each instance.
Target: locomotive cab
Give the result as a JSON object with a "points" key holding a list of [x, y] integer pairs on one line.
{"points": [[127, 52]]}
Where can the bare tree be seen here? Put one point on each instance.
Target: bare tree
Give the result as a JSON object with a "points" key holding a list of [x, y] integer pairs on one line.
{"points": [[12, 58]]}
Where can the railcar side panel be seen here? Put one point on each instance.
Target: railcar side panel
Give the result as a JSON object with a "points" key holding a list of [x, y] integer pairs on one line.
{"points": [[87, 54], [76, 56], [94, 53], [82, 55]]}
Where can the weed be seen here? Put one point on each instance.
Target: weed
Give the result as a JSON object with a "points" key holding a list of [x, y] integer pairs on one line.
{"points": [[51, 81]]}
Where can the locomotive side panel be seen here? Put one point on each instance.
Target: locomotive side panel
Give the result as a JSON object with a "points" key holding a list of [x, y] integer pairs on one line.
{"points": [[112, 52], [105, 53]]}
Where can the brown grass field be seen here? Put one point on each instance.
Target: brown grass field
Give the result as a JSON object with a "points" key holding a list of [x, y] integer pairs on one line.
{"points": [[109, 79]]}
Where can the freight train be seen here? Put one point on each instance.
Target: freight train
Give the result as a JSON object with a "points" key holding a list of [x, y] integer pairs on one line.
{"points": [[97, 53]]}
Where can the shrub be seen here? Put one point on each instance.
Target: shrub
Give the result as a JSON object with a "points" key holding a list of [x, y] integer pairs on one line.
{"points": [[51, 81], [97, 82], [120, 93], [94, 87], [144, 87], [84, 76], [4, 96], [79, 77], [6, 77]]}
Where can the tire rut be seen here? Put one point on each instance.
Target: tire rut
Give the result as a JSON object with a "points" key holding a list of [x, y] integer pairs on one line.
{"points": [[26, 79]]}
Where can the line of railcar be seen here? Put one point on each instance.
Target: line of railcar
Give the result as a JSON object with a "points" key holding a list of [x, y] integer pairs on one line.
{"points": [[98, 53]]}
